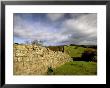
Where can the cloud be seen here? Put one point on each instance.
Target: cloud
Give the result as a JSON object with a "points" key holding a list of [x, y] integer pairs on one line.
{"points": [[74, 30], [36, 31], [83, 28], [84, 24], [55, 16]]}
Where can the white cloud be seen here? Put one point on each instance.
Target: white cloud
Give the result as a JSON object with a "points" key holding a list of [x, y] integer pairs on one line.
{"points": [[84, 24], [80, 30], [83, 27], [55, 16], [36, 31]]}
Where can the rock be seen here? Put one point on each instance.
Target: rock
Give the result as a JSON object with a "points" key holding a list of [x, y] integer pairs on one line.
{"points": [[36, 59]]}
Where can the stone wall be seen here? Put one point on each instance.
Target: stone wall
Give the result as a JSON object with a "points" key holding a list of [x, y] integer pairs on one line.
{"points": [[35, 60]]}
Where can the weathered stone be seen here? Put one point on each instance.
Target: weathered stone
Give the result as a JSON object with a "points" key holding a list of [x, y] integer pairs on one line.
{"points": [[36, 59]]}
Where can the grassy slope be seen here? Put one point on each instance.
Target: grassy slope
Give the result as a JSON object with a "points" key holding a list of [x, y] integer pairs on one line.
{"points": [[76, 68], [74, 51]]}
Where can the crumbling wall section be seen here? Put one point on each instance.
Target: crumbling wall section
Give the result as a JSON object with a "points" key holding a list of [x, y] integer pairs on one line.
{"points": [[35, 60]]}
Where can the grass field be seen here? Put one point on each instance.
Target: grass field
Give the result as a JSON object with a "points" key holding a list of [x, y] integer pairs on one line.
{"points": [[76, 68], [74, 51]]}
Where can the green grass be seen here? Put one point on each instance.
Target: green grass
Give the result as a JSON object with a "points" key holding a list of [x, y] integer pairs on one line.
{"points": [[76, 68], [74, 51]]}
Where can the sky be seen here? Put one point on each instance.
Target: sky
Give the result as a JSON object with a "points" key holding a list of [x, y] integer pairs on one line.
{"points": [[55, 29]]}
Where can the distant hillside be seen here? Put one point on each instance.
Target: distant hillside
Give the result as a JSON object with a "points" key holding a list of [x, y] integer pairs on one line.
{"points": [[85, 46]]}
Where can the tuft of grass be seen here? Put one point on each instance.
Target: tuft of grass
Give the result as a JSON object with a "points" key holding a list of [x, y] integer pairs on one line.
{"points": [[77, 68], [50, 71]]}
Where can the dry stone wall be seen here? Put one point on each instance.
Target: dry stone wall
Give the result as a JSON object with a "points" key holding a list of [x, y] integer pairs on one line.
{"points": [[35, 60]]}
